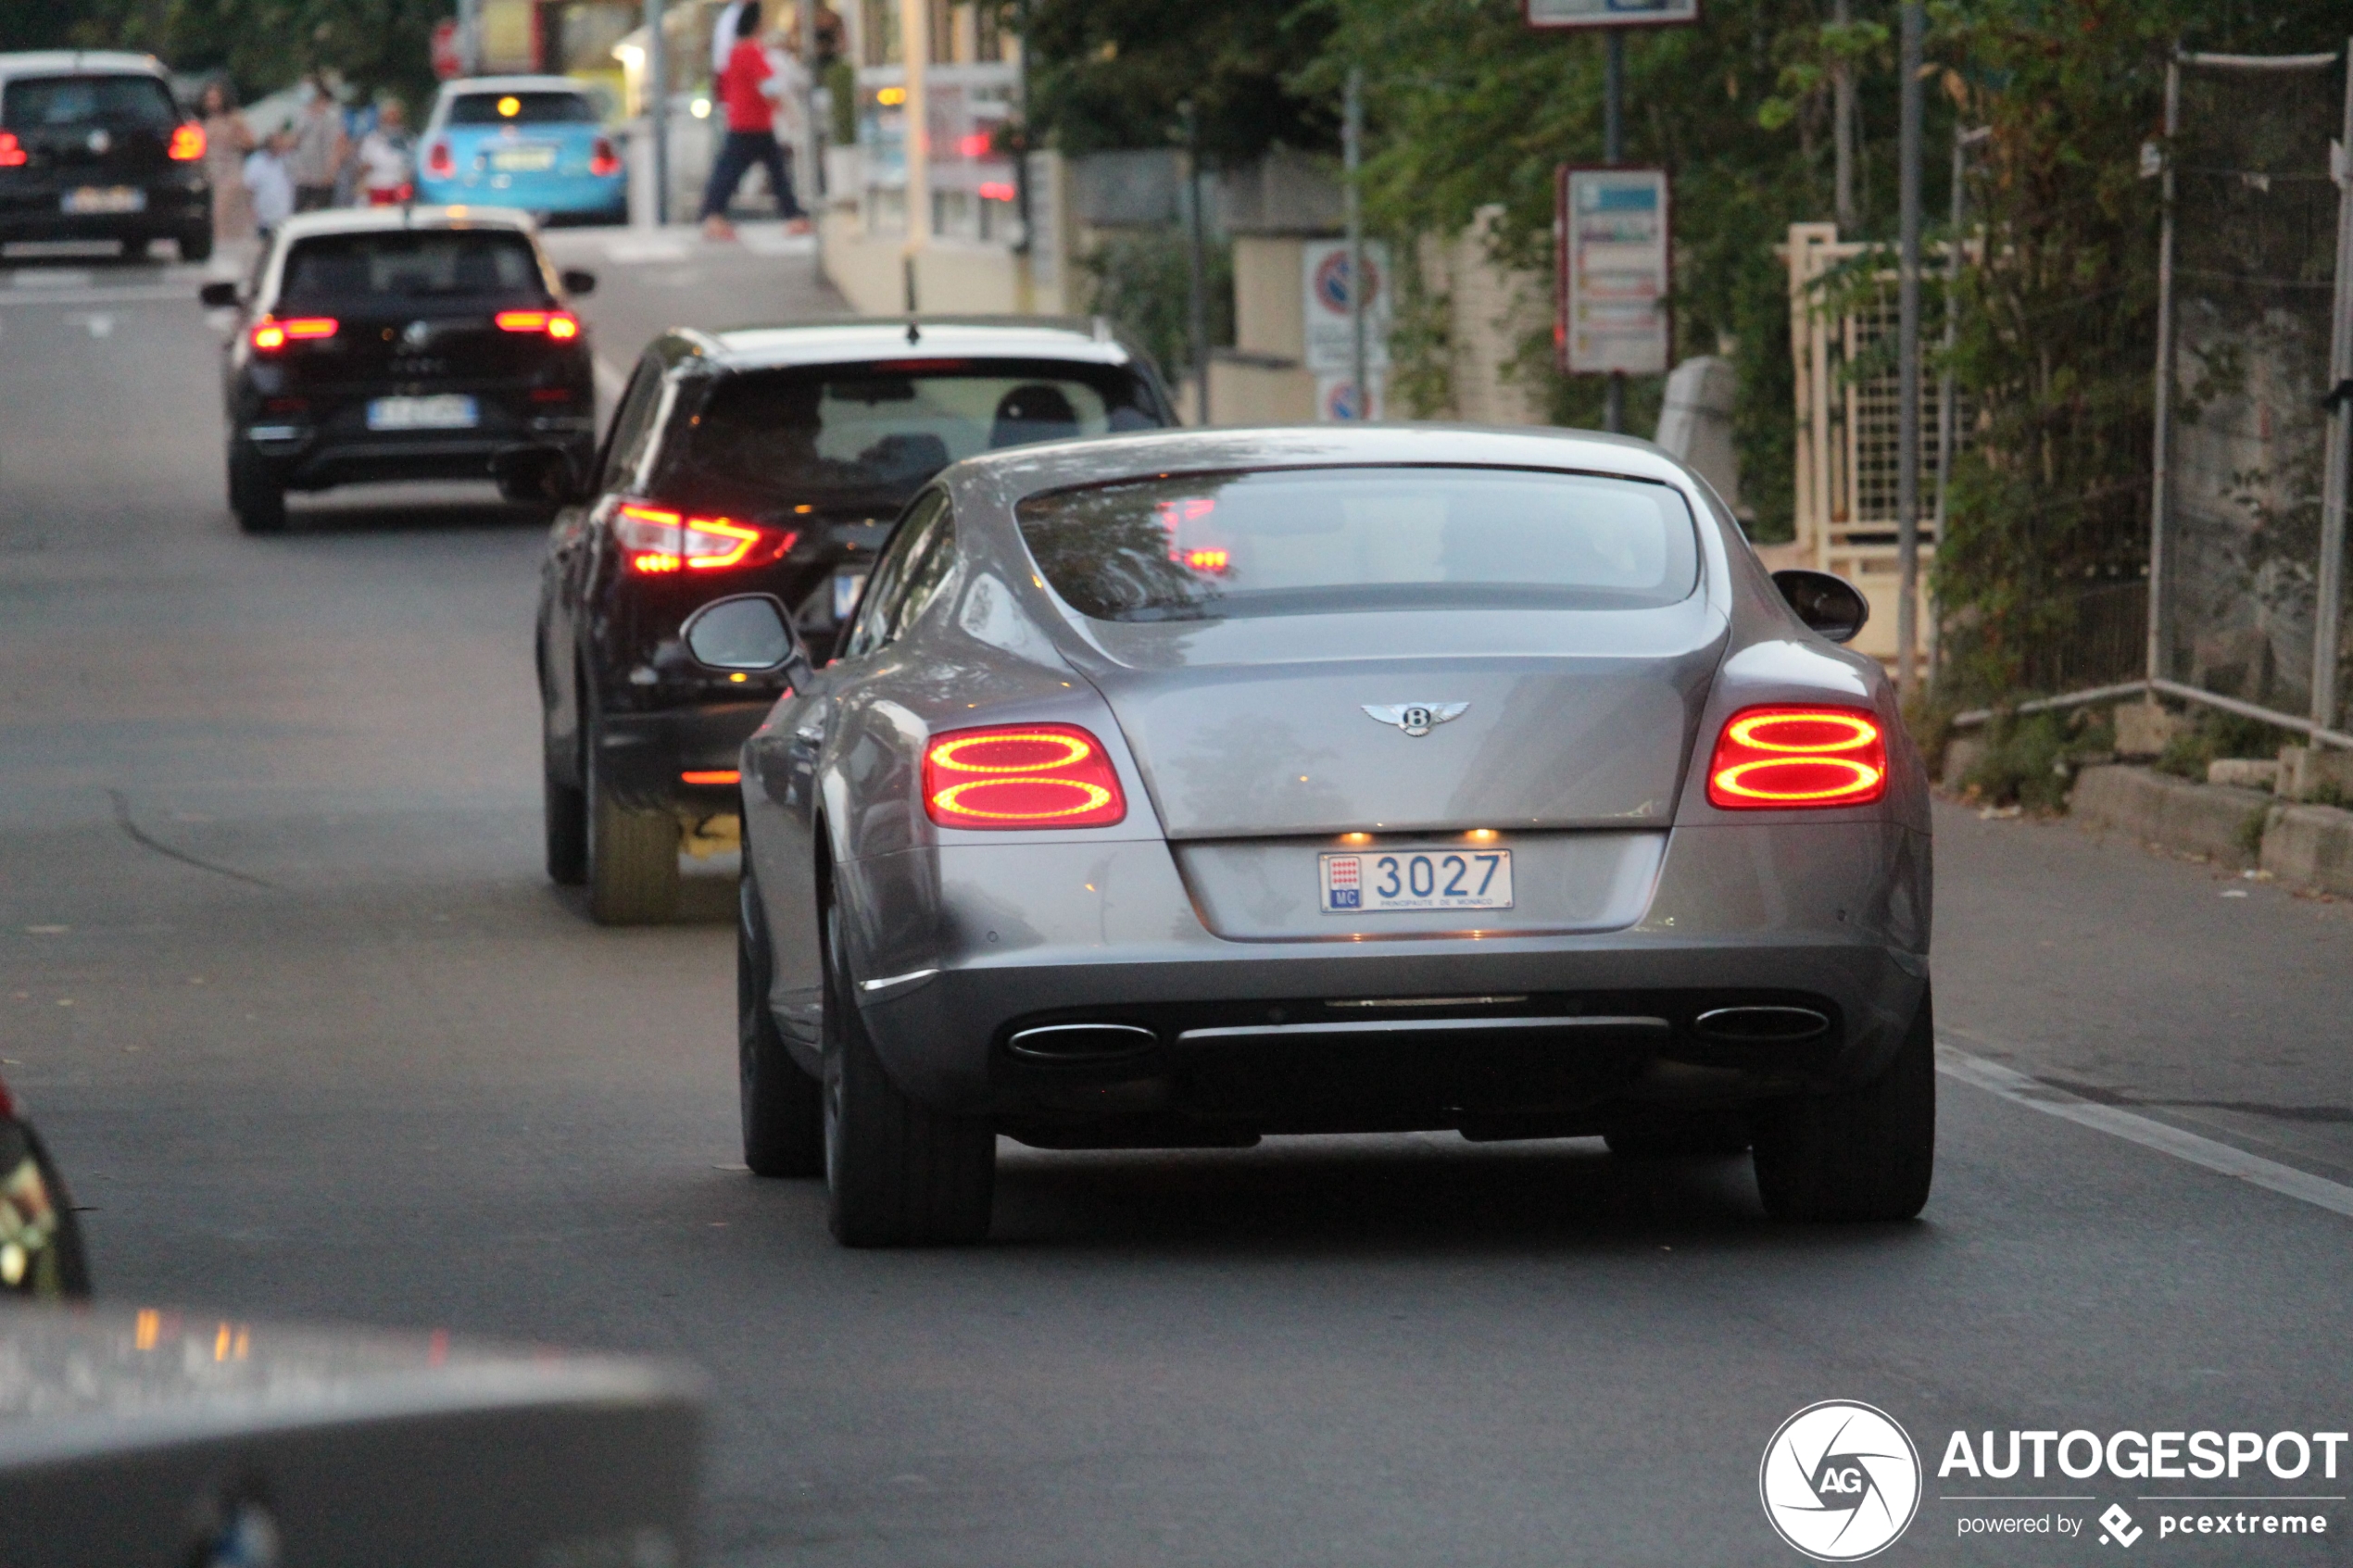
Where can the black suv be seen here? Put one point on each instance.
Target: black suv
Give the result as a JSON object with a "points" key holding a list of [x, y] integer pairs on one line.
{"points": [[93, 146], [767, 460], [400, 342]]}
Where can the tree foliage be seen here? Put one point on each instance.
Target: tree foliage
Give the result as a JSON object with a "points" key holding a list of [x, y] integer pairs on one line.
{"points": [[377, 46]]}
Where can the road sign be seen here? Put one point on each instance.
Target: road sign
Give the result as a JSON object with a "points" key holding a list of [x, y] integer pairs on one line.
{"points": [[1323, 278], [1615, 255], [448, 61], [1610, 13], [1336, 400]]}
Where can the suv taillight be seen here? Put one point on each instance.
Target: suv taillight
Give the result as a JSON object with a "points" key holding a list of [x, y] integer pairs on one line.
{"points": [[187, 143], [1778, 759], [270, 335], [561, 325], [439, 161], [1021, 776], [12, 153], [654, 541]]}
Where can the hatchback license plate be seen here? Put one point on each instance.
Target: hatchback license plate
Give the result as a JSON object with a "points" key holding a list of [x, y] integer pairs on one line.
{"points": [[105, 199], [445, 412], [524, 161], [1416, 879]]}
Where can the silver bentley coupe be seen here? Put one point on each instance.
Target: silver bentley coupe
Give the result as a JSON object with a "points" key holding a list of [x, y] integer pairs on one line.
{"points": [[1177, 789]]}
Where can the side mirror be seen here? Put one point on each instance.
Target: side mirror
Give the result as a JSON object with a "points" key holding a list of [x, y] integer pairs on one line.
{"points": [[745, 633], [577, 281], [1832, 605], [540, 474], [217, 297]]}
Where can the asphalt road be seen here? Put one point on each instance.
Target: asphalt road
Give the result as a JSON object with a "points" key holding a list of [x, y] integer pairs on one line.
{"points": [[281, 981]]}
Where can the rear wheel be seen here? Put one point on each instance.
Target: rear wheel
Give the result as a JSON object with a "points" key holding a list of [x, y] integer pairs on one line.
{"points": [[196, 245], [897, 1173], [784, 1113], [255, 495], [567, 830], [1866, 1153], [633, 858], [135, 248]]}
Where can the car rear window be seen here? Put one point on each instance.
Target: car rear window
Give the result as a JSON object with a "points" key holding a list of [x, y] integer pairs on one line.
{"points": [[1319, 541], [878, 431], [411, 264], [522, 108], [39, 103]]}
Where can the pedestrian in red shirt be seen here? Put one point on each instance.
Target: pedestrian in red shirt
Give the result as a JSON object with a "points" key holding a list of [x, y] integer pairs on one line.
{"points": [[748, 90]]}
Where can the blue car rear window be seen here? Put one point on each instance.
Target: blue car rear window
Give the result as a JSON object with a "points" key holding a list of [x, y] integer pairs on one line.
{"points": [[522, 108]]}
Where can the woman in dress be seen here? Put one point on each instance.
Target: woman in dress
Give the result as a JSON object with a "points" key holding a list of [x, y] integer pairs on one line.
{"points": [[227, 140]]}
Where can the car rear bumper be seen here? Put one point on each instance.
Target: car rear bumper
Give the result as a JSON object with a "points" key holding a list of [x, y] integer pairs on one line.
{"points": [[29, 214], [643, 758], [1244, 1034], [310, 460], [570, 194]]}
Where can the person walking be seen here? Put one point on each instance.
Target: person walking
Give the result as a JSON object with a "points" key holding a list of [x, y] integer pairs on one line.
{"points": [[268, 185], [386, 158], [319, 148], [749, 89], [227, 141]]}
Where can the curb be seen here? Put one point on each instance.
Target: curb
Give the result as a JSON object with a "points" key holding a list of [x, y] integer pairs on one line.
{"points": [[2309, 846]]}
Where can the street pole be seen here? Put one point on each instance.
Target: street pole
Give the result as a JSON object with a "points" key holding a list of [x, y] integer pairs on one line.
{"points": [[1948, 401], [2336, 477], [2161, 457], [1352, 160], [1907, 378], [1614, 153], [1196, 264], [658, 108], [1843, 127]]}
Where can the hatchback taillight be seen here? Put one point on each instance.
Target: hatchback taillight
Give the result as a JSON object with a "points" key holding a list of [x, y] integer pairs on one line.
{"points": [[270, 335], [1777, 759], [603, 162], [656, 541], [1021, 776], [12, 153], [561, 325], [440, 162], [187, 143]]}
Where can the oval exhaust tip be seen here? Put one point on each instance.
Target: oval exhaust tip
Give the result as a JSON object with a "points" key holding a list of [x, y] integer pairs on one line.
{"points": [[1068, 1043], [1762, 1025]]}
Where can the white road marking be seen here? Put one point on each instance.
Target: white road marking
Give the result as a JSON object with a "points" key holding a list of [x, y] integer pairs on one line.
{"points": [[626, 249], [2220, 1158], [50, 299], [50, 278], [99, 323]]}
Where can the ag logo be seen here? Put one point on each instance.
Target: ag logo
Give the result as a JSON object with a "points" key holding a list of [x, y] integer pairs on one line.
{"points": [[1841, 1481]]}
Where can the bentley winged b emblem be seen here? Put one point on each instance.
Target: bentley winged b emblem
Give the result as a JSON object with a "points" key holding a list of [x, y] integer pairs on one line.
{"points": [[1416, 718]]}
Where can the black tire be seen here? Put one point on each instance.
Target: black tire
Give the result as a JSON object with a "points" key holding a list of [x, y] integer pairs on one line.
{"points": [[196, 245], [897, 1173], [257, 499], [1866, 1153], [633, 859], [135, 250], [566, 821], [1696, 1135], [783, 1108]]}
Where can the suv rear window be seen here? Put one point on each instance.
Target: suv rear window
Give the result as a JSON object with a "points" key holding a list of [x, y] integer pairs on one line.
{"points": [[1316, 540], [877, 433], [42, 102], [411, 264], [522, 108]]}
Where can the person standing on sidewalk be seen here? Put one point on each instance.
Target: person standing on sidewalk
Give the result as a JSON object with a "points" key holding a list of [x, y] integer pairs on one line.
{"points": [[748, 88], [319, 148], [266, 183], [227, 141], [387, 158]]}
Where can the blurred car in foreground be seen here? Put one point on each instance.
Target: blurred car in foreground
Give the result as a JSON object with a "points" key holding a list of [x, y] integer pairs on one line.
{"points": [[399, 343], [41, 1251], [772, 459], [537, 142], [154, 1436], [93, 146], [1180, 789]]}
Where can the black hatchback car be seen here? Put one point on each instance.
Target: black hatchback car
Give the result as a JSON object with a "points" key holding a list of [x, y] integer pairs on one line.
{"points": [[766, 460], [93, 146], [400, 342]]}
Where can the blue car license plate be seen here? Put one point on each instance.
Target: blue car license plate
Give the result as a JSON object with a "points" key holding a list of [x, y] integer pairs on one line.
{"points": [[1416, 879]]}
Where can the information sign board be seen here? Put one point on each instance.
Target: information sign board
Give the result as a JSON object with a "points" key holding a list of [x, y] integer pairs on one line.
{"points": [[1611, 13], [1613, 242]]}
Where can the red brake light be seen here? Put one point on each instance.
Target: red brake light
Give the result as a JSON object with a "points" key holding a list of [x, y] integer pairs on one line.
{"points": [[439, 161], [1778, 759], [656, 541], [269, 334], [711, 776], [602, 161], [1021, 776], [12, 153], [187, 143], [561, 325], [8, 1106]]}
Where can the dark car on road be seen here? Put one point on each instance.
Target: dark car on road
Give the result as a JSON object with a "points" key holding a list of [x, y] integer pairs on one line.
{"points": [[400, 342], [772, 461], [41, 1251], [93, 146]]}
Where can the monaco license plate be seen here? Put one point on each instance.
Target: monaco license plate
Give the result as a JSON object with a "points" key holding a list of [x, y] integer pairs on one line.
{"points": [[524, 161], [448, 411], [105, 199], [1416, 879]]}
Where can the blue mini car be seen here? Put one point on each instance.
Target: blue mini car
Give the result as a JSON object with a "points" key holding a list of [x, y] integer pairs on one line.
{"points": [[538, 143]]}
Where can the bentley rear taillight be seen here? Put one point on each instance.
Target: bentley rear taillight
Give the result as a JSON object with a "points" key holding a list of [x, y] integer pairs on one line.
{"points": [[1021, 776], [1777, 759], [187, 143], [656, 541]]}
